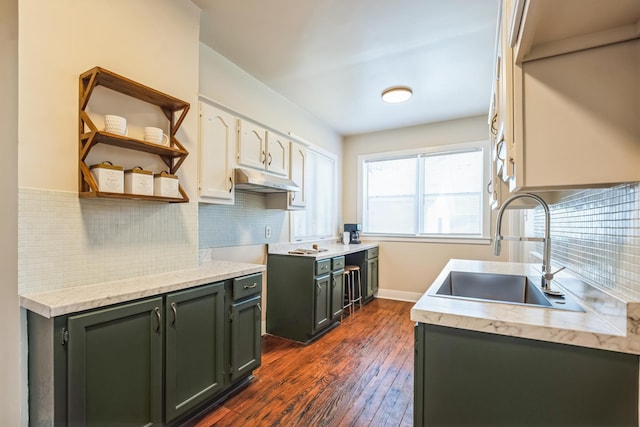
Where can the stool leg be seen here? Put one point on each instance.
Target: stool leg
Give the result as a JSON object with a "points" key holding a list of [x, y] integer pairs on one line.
{"points": [[359, 290], [347, 288]]}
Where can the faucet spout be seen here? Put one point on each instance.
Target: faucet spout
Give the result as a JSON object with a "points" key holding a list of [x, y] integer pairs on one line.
{"points": [[547, 276]]}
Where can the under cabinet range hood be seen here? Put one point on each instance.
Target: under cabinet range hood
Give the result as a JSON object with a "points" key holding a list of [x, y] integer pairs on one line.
{"points": [[261, 182]]}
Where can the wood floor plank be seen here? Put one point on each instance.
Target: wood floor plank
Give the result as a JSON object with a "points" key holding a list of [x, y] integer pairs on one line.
{"points": [[358, 374]]}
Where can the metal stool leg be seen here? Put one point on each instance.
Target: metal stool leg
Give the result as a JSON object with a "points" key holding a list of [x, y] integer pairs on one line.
{"points": [[348, 290], [355, 286]]}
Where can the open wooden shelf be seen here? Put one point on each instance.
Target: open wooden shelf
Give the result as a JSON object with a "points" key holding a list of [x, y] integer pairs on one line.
{"points": [[172, 155]]}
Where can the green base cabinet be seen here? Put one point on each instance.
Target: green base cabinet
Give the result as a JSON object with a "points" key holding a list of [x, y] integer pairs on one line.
{"points": [[115, 366], [246, 339], [469, 378], [305, 296], [367, 260], [194, 324], [159, 361]]}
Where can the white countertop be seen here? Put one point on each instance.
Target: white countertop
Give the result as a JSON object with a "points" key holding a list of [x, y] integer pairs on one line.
{"points": [[333, 248], [71, 300], [609, 322]]}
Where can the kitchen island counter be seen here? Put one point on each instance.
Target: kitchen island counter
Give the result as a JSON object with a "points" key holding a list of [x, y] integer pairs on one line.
{"points": [[608, 322], [79, 298], [326, 249]]}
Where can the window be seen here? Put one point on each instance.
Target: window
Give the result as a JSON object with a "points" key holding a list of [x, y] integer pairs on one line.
{"points": [[318, 219], [435, 192]]}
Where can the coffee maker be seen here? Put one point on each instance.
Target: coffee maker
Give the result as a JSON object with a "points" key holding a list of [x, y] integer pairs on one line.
{"points": [[354, 232]]}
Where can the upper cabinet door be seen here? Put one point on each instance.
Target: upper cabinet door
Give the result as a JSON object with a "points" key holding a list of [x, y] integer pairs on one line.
{"points": [[252, 145], [217, 152], [277, 161], [298, 170]]}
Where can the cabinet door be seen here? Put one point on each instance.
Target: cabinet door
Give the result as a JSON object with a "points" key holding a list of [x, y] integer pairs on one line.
{"points": [[337, 294], [298, 169], [246, 336], [194, 324], [115, 366], [372, 276], [217, 151], [278, 148], [252, 145], [322, 302]]}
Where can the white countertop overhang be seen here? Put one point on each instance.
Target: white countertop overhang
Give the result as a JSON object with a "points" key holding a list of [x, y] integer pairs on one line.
{"points": [[609, 322], [75, 299]]}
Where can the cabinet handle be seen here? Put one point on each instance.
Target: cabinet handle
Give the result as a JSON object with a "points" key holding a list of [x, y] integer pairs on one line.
{"points": [[175, 314], [270, 159], [293, 196], [159, 318], [489, 187], [264, 157], [259, 308], [230, 184], [494, 130], [250, 286]]}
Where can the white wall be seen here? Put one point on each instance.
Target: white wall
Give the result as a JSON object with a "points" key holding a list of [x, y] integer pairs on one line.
{"points": [[154, 42], [10, 364], [406, 269]]}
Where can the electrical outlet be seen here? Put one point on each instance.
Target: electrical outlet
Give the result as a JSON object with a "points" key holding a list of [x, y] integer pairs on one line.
{"points": [[267, 232]]}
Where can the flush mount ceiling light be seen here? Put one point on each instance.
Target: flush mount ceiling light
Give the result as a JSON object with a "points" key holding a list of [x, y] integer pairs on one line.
{"points": [[396, 94]]}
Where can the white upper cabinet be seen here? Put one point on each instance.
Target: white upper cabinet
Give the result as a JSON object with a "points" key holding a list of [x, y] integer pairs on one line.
{"points": [[277, 160], [297, 199], [216, 155], [297, 163], [545, 28], [261, 149], [252, 145], [570, 89]]}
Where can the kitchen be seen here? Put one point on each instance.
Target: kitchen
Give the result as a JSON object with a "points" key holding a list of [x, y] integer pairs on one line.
{"points": [[55, 241]]}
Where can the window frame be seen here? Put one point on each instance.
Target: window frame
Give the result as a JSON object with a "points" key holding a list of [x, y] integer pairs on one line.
{"points": [[483, 238], [333, 191]]}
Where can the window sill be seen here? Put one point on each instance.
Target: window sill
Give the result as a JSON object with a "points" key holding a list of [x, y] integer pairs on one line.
{"points": [[457, 240]]}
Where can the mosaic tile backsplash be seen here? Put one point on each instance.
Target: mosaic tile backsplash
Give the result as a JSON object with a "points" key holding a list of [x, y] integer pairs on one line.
{"points": [[65, 241], [240, 224], [595, 233]]}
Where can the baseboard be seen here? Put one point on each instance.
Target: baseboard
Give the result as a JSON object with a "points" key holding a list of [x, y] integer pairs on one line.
{"points": [[398, 295]]}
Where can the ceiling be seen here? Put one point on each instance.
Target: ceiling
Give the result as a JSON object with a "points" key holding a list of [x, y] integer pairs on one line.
{"points": [[333, 58]]}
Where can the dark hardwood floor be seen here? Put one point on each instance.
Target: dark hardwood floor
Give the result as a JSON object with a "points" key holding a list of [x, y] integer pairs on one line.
{"points": [[358, 374]]}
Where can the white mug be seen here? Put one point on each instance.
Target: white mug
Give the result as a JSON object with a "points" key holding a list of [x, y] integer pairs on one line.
{"points": [[155, 136], [115, 124]]}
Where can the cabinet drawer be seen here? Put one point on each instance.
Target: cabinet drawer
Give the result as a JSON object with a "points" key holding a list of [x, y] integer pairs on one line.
{"points": [[372, 253], [323, 266], [247, 285], [337, 263]]}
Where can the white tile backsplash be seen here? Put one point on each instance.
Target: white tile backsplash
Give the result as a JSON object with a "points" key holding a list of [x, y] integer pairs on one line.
{"points": [[240, 224], [66, 241], [596, 234]]}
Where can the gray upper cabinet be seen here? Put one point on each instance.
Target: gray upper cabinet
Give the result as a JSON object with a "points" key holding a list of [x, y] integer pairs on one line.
{"points": [[115, 366], [195, 327]]}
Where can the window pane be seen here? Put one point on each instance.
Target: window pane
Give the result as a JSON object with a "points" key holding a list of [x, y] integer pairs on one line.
{"points": [[390, 196], [453, 193], [452, 214]]}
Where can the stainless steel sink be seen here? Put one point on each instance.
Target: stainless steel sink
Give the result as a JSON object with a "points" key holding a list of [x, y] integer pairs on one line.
{"points": [[504, 288]]}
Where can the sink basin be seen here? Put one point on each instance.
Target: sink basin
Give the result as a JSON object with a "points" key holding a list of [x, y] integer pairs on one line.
{"points": [[504, 288]]}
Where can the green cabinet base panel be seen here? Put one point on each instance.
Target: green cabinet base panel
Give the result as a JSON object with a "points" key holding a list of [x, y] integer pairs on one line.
{"points": [[157, 361], [469, 378]]}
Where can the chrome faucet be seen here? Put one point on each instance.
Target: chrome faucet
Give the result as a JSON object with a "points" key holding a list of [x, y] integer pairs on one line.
{"points": [[547, 275]]}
